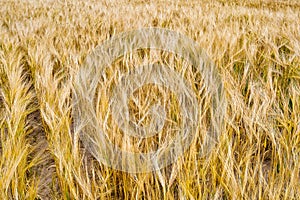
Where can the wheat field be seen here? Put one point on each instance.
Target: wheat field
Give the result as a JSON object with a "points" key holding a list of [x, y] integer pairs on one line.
{"points": [[254, 45]]}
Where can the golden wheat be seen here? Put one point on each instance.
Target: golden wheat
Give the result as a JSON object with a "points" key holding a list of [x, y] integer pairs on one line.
{"points": [[255, 45]]}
